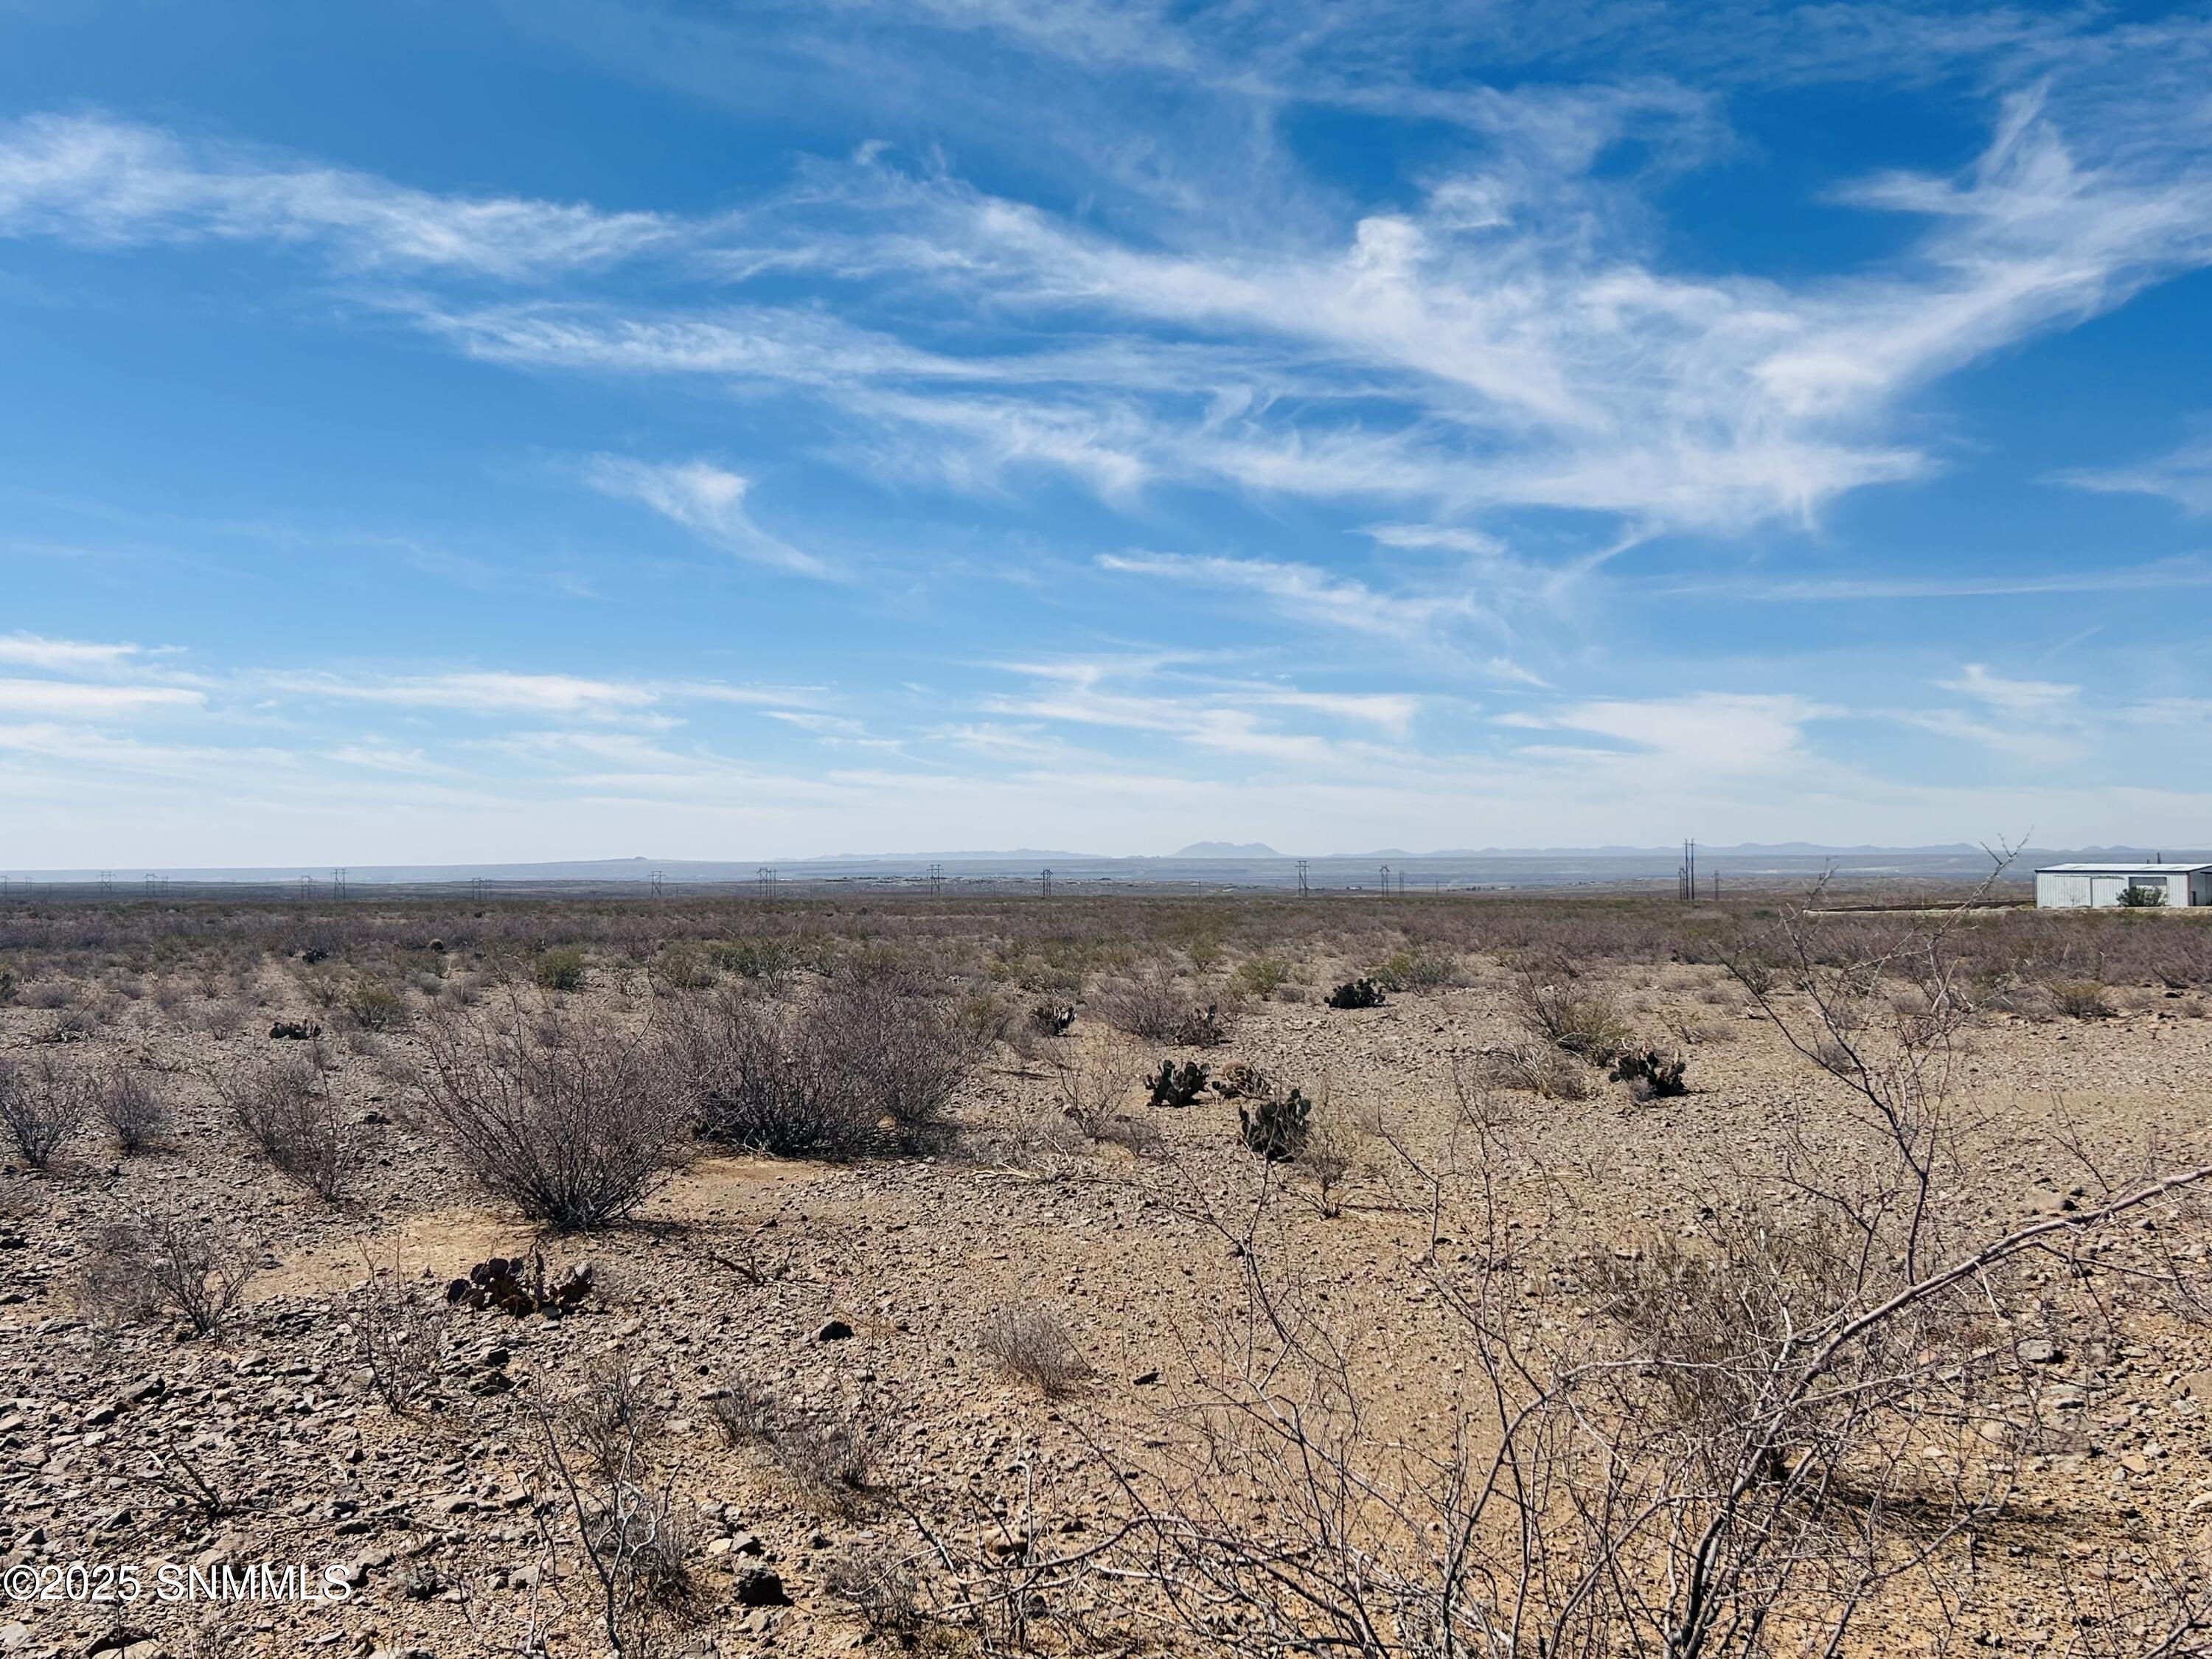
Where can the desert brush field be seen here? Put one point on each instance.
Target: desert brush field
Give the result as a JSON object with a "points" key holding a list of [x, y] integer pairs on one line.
{"points": [[1568, 1276]]}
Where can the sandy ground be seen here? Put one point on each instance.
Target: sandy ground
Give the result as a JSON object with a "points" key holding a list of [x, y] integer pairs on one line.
{"points": [[734, 1271]]}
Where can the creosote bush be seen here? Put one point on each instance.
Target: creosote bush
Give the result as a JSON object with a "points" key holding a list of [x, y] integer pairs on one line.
{"points": [[155, 1262], [43, 1105], [288, 1110], [573, 1121], [560, 969], [875, 1056], [131, 1104]]}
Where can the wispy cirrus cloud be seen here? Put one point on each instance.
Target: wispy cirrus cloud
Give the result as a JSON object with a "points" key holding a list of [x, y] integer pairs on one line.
{"points": [[107, 182], [63, 655], [73, 698], [706, 499], [2182, 476]]}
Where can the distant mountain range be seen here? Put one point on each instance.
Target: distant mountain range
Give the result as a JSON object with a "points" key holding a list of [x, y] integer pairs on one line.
{"points": [[1260, 864]]}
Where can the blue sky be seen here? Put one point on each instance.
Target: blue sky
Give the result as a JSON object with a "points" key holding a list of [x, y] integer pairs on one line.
{"points": [[569, 430]]}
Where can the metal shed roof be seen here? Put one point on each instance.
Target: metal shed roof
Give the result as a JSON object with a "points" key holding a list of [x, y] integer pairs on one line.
{"points": [[2120, 869]]}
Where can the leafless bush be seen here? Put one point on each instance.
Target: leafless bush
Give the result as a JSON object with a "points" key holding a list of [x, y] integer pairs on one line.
{"points": [[639, 1543], [132, 1104], [1032, 1344], [1091, 1084], [571, 1121], [154, 1262], [43, 1105], [612, 1413], [1555, 1005], [288, 1110], [772, 1078], [401, 1338], [879, 1584], [1156, 1006], [908, 1045]]}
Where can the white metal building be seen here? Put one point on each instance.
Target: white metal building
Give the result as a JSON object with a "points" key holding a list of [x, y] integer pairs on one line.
{"points": [[2078, 886]]}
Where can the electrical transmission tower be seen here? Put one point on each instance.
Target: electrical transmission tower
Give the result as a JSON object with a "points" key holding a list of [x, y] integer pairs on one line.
{"points": [[1301, 878], [338, 883], [1386, 881], [1044, 884], [936, 880], [655, 879], [765, 877]]}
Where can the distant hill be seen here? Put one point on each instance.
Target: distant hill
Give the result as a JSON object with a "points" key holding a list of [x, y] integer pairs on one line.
{"points": [[1227, 849]]}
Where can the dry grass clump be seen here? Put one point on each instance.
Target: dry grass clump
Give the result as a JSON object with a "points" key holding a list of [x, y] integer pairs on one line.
{"points": [[1420, 968], [2081, 999], [1554, 1004], [1537, 1068], [154, 1262], [573, 1121], [827, 1461], [1033, 1345], [287, 1109], [43, 1105]]}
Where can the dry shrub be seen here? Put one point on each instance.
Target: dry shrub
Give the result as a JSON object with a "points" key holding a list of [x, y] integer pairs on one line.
{"points": [[1539, 1068], [613, 1413], [155, 1262], [288, 1110], [132, 1107], [772, 1078], [1418, 968], [910, 1046], [822, 1075], [572, 1121], [373, 1003], [401, 1338], [43, 1105], [881, 1586], [1089, 1085], [744, 1414], [1575, 1018], [595, 1458], [1155, 1005], [1033, 1345], [827, 1460], [829, 1464], [2081, 999]]}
